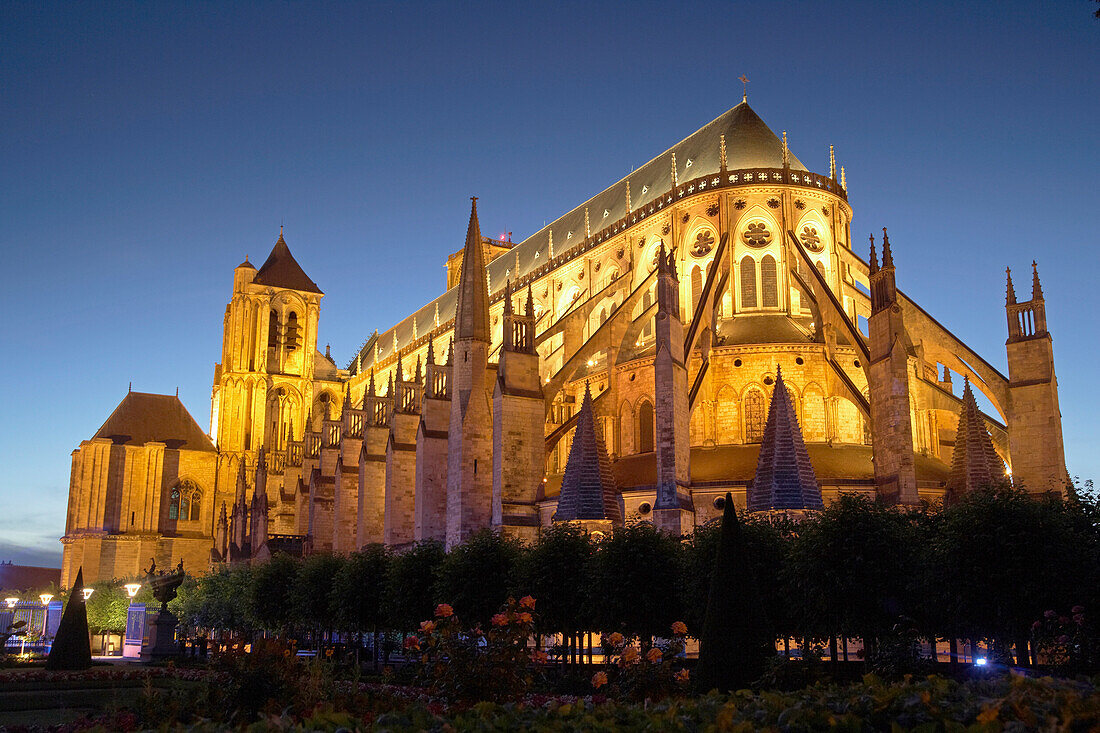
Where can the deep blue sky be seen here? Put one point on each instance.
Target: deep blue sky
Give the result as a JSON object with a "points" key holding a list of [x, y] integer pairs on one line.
{"points": [[147, 148]]}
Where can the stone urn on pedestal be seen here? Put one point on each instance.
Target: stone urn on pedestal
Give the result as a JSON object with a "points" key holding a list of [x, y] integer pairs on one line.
{"points": [[160, 627]]}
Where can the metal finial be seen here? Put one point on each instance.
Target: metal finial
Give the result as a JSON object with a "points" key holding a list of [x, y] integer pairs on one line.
{"points": [[832, 163], [722, 150]]}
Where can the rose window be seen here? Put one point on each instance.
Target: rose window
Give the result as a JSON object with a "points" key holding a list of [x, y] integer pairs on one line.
{"points": [[704, 243], [811, 238], [757, 234]]}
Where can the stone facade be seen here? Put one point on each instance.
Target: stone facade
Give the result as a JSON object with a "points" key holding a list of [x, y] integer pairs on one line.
{"points": [[681, 354]]}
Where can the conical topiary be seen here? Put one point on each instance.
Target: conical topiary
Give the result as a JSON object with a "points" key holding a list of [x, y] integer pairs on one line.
{"points": [[72, 648], [735, 642]]}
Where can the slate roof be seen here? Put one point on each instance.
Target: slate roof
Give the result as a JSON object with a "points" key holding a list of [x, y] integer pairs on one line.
{"points": [[784, 477], [281, 270], [974, 462], [588, 489], [143, 418], [750, 143], [18, 578]]}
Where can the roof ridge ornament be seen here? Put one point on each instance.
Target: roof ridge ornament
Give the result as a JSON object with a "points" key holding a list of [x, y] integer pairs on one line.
{"points": [[832, 161], [744, 88], [722, 151]]}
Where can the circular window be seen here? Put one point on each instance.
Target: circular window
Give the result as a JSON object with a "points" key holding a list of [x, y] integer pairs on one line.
{"points": [[811, 238], [737, 362], [632, 377], [768, 380], [798, 360], [856, 363], [756, 234], [645, 508], [719, 502]]}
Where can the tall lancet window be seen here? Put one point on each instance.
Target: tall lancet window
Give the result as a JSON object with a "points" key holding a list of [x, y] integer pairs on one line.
{"points": [[748, 282], [755, 418], [769, 283]]}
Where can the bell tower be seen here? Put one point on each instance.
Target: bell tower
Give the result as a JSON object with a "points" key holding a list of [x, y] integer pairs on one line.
{"points": [[269, 336], [1034, 418]]}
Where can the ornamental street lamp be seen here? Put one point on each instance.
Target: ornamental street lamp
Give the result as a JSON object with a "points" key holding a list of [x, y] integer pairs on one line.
{"points": [[45, 598], [132, 589], [87, 592], [11, 602]]}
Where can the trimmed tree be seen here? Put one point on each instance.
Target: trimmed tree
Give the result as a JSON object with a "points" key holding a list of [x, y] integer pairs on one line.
{"points": [[72, 648], [735, 641]]}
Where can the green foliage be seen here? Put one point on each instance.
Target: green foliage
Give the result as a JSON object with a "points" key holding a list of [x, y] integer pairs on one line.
{"points": [[357, 590], [107, 608], [548, 570], [311, 591], [633, 582], [409, 579], [736, 640], [470, 665], [476, 576], [268, 595]]}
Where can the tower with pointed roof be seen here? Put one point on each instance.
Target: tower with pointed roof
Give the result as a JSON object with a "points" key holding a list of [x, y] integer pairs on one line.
{"points": [[589, 496], [1035, 440], [785, 479], [888, 385], [519, 445], [974, 462], [470, 432]]}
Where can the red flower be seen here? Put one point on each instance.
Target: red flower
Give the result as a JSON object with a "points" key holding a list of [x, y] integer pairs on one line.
{"points": [[411, 642], [443, 610]]}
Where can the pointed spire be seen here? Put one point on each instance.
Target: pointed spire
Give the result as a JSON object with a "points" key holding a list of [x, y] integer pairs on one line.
{"points": [[785, 477], [874, 257], [832, 163], [328, 352], [1036, 288], [472, 308], [370, 386], [1010, 295], [628, 197], [786, 152], [530, 312], [400, 371], [843, 179], [588, 490], [389, 387], [431, 352], [674, 176], [435, 318], [419, 378], [887, 257], [261, 460], [722, 150], [451, 352], [974, 462], [347, 397], [508, 297]]}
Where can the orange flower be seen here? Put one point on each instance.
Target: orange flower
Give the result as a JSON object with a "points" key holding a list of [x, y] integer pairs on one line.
{"points": [[654, 655], [539, 656], [443, 610], [527, 602], [427, 627], [679, 628], [615, 639], [683, 675], [329, 651], [525, 618], [630, 655], [286, 653], [499, 619], [599, 680]]}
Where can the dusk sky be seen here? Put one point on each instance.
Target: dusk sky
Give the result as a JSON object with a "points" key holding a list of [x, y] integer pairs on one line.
{"points": [[147, 148]]}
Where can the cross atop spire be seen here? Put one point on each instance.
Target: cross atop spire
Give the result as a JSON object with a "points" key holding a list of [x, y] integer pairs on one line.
{"points": [[472, 308]]}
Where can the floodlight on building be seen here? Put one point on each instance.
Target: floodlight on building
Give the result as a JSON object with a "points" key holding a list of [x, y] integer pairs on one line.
{"points": [[132, 589], [46, 598], [87, 592], [11, 601], [981, 661]]}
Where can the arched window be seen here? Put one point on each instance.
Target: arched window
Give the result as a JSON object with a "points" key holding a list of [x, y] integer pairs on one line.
{"points": [[769, 283], [748, 282], [696, 287], [645, 427], [292, 331], [755, 416], [185, 502], [272, 330]]}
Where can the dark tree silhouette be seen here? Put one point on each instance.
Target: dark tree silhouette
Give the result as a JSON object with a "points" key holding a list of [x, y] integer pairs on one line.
{"points": [[72, 648]]}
